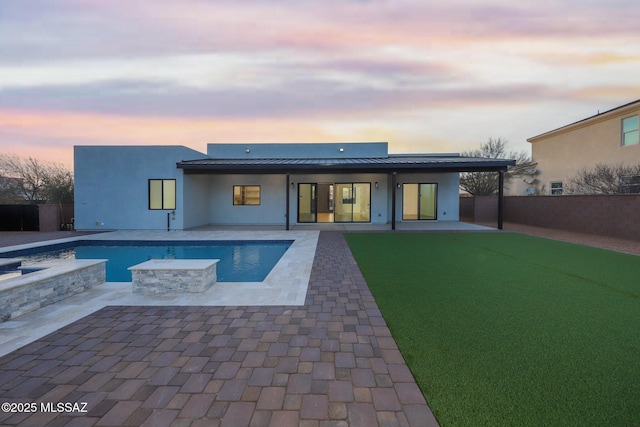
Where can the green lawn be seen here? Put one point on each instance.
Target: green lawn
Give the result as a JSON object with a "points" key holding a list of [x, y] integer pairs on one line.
{"points": [[506, 329]]}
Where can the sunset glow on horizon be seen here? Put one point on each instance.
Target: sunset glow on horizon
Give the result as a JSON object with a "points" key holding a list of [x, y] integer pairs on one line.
{"points": [[426, 77]]}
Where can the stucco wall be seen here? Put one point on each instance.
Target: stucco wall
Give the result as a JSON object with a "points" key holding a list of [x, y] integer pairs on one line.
{"points": [[112, 186], [112, 190], [298, 150], [379, 207], [272, 200], [448, 193], [562, 154], [196, 208]]}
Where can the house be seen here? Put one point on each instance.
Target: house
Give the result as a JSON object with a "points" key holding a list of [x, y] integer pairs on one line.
{"points": [[177, 188], [611, 137]]}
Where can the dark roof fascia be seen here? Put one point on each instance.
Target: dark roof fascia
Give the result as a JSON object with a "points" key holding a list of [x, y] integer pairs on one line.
{"points": [[484, 165]]}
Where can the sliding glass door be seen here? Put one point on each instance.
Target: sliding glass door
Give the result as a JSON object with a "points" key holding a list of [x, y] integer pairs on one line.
{"points": [[353, 202], [307, 202], [345, 202], [362, 202], [419, 202]]}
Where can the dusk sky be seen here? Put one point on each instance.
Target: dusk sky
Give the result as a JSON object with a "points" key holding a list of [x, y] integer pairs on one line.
{"points": [[439, 76]]}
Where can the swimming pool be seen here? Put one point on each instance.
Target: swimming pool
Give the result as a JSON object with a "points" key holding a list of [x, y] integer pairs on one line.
{"points": [[240, 260]]}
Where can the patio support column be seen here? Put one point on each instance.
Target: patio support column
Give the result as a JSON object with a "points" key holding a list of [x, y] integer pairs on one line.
{"points": [[286, 213], [500, 199], [394, 178]]}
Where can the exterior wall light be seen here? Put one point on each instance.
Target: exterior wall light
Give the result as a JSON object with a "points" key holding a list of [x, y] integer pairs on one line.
{"points": [[247, 150], [293, 185], [376, 184], [398, 185], [341, 149]]}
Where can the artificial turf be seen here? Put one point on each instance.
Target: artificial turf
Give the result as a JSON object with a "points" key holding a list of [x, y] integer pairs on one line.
{"points": [[507, 329]]}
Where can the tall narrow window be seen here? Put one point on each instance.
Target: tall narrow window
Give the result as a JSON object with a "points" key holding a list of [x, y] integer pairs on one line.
{"points": [[630, 134], [246, 195], [307, 202], [162, 194]]}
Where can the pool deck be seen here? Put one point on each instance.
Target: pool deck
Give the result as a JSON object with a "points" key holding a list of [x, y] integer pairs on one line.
{"points": [[286, 284], [328, 362]]}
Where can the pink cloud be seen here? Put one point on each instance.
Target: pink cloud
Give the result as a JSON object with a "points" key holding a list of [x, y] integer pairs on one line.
{"points": [[340, 24], [119, 28]]}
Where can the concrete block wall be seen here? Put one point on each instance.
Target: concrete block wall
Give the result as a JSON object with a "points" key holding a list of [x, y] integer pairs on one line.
{"points": [[607, 215], [486, 209], [467, 205], [53, 216]]}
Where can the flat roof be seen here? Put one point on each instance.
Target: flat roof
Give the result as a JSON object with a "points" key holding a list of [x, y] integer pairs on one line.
{"points": [[390, 163]]}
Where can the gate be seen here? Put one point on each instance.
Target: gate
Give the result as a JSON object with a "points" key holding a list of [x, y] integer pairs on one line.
{"points": [[19, 218]]}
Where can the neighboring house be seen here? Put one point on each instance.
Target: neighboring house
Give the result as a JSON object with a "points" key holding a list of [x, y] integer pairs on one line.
{"points": [[520, 180], [160, 187], [611, 137]]}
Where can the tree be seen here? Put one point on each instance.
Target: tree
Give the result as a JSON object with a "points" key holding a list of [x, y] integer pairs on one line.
{"points": [[29, 180], [487, 183], [606, 179]]}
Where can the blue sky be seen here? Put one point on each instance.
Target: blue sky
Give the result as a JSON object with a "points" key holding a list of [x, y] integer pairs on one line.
{"points": [[424, 76]]}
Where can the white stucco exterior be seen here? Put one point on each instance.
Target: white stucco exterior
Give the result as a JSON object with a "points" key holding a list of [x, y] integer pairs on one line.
{"points": [[112, 187]]}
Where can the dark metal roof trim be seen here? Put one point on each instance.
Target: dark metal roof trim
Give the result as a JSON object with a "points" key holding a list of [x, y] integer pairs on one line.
{"points": [[380, 164]]}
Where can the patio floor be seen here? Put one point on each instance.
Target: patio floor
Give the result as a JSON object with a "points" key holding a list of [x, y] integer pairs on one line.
{"points": [[330, 362]]}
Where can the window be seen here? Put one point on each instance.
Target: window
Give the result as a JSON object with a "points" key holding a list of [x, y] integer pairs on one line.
{"points": [[246, 195], [162, 194], [630, 184], [353, 202], [419, 202], [630, 133], [556, 188]]}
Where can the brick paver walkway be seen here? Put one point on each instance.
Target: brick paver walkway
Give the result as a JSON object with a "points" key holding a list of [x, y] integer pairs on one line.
{"points": [[331, 362]]}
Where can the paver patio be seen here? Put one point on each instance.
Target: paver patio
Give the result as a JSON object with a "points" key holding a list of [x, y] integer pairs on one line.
{"points": [[331, 362]]}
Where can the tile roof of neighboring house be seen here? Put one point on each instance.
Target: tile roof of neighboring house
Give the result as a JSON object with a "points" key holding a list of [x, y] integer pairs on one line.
{"points": [[602, 115], [440, 163]]}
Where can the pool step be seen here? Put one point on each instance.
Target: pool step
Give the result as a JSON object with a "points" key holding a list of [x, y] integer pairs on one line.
{"points": [[10, 263]]}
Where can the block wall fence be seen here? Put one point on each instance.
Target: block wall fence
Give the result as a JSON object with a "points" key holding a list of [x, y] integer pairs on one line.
{"points": [[53, 216], [607, 215]]}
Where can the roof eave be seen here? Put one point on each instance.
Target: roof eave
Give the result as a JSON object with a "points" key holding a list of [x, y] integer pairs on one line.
{"points": [[362, 168], [617, 111]]}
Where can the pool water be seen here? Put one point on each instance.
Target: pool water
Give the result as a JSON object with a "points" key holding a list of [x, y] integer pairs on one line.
{"points": [[240, 261]]}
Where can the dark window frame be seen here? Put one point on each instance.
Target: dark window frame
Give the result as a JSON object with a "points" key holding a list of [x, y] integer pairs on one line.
{"points": [[353, 200], [162, 203], [435, 208], [243, 198]]}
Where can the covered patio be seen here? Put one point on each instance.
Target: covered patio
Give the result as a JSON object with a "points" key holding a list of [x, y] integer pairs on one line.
{"points": [[390, 176]]}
